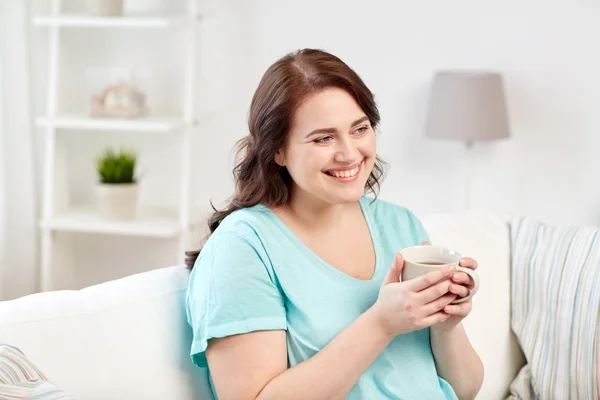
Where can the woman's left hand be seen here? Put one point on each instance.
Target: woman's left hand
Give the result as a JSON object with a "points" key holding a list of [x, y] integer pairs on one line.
{"points": [[461, 286]]}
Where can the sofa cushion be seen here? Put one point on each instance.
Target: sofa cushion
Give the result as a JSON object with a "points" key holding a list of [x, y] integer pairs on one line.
{"points": [[487, 239], [555, 304], [21, 379], [124, 339]]}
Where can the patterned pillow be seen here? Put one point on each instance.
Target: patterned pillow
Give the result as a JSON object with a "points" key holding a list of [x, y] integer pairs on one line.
{"points": [[555, 300], [21, 379]]}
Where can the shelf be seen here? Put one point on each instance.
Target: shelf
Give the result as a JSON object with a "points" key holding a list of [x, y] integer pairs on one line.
{"points": [[87, 21], [158, 125], [149, 224], [175, 122]]}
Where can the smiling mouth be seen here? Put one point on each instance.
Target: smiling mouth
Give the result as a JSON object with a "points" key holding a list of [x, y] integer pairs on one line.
{"points": [[345, 174]]}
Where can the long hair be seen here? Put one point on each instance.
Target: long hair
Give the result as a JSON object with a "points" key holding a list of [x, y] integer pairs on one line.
{"points": [[258, 178]]}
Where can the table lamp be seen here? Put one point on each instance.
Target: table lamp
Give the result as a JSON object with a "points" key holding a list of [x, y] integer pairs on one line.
{"points": [[467, 106]]}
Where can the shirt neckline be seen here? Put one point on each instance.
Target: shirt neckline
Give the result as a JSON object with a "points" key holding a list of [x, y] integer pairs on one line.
{"points": [[326, 267]]}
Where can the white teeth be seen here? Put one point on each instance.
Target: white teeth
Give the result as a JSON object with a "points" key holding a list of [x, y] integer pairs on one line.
{"points": [[345, 174]]}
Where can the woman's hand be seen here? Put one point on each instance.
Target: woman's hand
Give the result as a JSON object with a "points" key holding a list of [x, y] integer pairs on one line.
{"points": [[415, 304], [461, 286]]}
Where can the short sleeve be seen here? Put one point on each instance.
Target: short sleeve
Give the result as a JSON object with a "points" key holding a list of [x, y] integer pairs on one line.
{"points": [[232, 290]]}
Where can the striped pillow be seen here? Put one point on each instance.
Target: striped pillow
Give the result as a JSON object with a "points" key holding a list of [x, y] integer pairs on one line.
{"points": [[21, 379], [555, 295]]}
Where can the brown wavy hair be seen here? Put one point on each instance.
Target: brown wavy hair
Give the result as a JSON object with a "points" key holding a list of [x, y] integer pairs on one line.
{"points": [[258, 178]]}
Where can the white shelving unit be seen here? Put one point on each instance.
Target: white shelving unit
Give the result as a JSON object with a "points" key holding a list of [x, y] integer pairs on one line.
{"points": [[150, 223], [84, 21], [79, 123]]}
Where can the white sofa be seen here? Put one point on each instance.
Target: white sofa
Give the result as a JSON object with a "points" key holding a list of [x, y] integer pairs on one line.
{"points": [[129, 339]]}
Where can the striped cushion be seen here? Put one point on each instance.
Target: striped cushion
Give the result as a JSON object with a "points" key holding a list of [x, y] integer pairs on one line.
{"points": [[21, 379], [555, 295]]}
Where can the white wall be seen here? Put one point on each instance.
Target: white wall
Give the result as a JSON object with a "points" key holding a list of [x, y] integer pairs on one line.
{"points": [[18, 181], [548, 169], [547, 53]]}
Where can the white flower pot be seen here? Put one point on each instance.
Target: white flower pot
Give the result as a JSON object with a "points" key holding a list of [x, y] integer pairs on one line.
{"points": [[117, 201], [105, 8]]}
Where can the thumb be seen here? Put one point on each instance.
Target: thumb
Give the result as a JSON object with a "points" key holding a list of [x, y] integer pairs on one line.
{"points": [[393, 275]]}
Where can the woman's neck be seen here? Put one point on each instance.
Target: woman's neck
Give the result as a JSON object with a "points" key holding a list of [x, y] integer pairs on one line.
{"points": [[317, 214]]}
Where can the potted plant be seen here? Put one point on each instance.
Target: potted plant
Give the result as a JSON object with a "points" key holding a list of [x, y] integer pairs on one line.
{"points": [[117, 191]]}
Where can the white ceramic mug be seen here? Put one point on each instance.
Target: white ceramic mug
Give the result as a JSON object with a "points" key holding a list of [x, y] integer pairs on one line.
{"points": [[419, 260]]}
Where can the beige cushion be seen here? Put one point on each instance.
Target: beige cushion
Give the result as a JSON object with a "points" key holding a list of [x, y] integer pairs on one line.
{"points": [[486, 239]]}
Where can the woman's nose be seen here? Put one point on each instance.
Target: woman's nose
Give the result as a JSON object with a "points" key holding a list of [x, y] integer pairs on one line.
{"points": [[346, 150]]}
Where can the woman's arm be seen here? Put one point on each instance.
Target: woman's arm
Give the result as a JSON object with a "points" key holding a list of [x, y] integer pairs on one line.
{"points": [[456, 360], [254, 365]]}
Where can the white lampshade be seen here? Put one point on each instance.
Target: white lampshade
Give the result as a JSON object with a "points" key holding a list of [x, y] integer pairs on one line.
{"points": [[468, 106]]}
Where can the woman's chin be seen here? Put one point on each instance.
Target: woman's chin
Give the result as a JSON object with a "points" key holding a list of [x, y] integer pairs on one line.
{"points": [[348, 195]]}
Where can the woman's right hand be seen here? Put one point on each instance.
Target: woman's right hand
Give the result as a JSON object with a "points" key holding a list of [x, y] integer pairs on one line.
{"points": [[415, 304]]}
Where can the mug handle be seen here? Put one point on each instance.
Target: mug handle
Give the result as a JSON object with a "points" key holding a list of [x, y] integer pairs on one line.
{"points": [[475, 278]]}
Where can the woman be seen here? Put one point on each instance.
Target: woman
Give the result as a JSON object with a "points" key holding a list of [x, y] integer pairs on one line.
{"points": [[291, 296]]}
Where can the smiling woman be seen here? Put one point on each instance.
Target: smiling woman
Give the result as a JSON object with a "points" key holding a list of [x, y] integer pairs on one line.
{"points": [[288, 85], [293, 283], [343, 152]]}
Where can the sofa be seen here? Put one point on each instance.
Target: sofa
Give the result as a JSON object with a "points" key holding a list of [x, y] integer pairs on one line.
{"points": [[129, 339]]}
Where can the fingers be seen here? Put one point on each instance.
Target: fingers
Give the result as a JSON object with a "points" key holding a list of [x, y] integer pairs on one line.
{"points": [[434, 319], [439, 289], [468, 262], [459, 290], [461, 309], [393, 274], [462, 279], [425, 243], [434, 292], [430, 278], [439, 304]]}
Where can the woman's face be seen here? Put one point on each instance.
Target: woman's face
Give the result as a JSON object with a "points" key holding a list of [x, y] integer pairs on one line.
{"points": [[331, 148]]}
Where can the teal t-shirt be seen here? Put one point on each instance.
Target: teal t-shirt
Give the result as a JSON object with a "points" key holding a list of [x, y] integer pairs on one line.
{"points": [[254, 273]]}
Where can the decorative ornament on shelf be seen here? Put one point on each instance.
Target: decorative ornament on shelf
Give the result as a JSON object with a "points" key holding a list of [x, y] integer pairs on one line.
{"points": [[121, 100], [117, 191], [105, 8]]}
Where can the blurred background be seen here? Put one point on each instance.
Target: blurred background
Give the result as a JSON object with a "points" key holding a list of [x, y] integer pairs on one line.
{"points": [[167, 85]]}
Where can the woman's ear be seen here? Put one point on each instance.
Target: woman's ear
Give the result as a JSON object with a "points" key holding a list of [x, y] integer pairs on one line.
{"points": [[280, 157]]}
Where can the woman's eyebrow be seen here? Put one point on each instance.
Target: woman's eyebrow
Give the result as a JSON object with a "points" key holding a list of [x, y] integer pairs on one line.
{"points": [[334, 130]]}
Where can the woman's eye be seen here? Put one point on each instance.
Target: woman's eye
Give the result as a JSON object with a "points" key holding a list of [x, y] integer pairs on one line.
{"points": [[323, 139], [360, 130]]}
